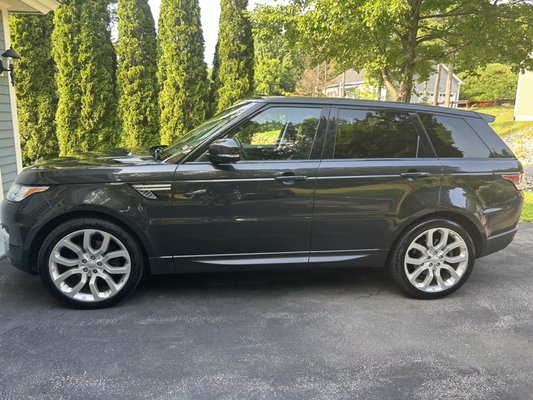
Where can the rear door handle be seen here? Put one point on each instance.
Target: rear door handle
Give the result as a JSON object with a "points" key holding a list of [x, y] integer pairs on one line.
{"points": [[414, 175]]}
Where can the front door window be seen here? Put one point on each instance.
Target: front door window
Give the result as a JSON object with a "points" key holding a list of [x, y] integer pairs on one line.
{"points": [[278, 133]]}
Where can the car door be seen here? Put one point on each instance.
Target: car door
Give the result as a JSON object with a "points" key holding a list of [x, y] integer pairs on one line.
{"points": [[378, 172], [257, 211]]}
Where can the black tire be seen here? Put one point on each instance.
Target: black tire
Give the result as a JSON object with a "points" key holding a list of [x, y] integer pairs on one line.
{"points": [[398, 253], [130, 243]]}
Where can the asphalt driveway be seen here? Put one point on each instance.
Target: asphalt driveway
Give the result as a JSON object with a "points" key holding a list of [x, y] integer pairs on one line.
{"points": [[277, 335]]}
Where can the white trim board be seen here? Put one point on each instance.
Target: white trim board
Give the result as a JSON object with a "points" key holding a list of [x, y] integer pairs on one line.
{"points": [[29, 6], [12, 95]]}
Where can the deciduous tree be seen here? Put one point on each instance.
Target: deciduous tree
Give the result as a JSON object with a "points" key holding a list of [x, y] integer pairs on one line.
{"points": [[399, 41], [492, 82]]}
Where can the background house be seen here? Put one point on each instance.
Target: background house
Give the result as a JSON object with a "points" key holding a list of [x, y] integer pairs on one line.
{"points": [[353, 84], [524, 97], [10, 156]]}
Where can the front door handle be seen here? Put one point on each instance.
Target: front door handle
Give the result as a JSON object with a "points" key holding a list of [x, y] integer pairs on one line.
{"points": [[415, 175], [290, 179]]}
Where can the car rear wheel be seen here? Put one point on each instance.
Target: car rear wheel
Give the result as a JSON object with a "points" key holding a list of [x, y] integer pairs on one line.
{"points": [[433, 259], [90, 263]]}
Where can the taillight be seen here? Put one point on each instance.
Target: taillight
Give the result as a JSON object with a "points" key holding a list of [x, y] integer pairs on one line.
{"points": [[519, 180]]}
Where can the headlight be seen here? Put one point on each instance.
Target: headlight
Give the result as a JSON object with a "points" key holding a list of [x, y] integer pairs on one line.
{"points": [[18, 192]]}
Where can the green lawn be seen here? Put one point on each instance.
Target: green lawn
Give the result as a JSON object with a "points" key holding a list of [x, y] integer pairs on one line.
{"points": [[527, 212], [504, 124], [517, 135]]}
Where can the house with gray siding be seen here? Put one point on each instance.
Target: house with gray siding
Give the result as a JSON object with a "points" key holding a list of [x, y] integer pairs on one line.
{"points": [[10, 155], [353, 84]]}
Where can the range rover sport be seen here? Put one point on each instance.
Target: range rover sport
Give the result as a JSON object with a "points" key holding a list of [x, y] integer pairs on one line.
{"points": [[274, 183]]}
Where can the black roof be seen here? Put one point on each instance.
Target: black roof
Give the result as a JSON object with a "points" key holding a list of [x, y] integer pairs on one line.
{"points": [[369, 103]]}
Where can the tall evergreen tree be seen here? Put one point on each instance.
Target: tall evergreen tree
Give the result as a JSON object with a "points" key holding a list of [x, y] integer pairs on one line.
{"points": [[279, 64], [36, 90], [137, 74], [182, 71], [234, 74], [212, 107], [86, 67]]}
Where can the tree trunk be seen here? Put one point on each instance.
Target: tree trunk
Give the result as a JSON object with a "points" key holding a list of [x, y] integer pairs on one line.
{"points": [[391, 89], [406, 88], [409, 43], [436, 90], [317, 82], [449, 81]]}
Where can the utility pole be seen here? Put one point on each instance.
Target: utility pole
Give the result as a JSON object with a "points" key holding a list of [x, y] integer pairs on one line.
{"points": [[449, 81], [436, 90]]}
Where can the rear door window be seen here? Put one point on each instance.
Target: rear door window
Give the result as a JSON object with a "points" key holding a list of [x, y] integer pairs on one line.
{"points": [[370, 134], [452, 137]]}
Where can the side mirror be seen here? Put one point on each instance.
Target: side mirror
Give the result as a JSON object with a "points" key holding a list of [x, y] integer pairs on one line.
{"points": [[157, 151], [224, 151]]}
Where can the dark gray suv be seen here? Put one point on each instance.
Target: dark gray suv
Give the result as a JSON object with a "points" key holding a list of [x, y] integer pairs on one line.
{"points": [[274, 182]]}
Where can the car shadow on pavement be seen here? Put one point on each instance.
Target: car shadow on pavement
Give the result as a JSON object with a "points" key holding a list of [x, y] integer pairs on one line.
{"points": [[364, 280], [23, 290]]}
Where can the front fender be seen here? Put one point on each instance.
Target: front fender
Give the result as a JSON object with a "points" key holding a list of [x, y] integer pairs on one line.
{"points": [[149, 220]]}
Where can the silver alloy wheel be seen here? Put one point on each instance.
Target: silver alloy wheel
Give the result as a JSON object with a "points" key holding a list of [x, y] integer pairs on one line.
{"points": [[89, 265], [436, 260]]}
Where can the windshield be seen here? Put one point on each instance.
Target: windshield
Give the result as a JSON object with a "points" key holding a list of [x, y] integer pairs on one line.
{"points": [[197, 136]]}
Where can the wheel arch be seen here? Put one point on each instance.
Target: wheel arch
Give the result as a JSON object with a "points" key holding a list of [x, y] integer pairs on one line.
{"points": [[45, 229], [467, 223]]}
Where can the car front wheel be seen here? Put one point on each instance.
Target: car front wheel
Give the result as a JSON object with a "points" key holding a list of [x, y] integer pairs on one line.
{"points": [[433, 259], [90, 263]]}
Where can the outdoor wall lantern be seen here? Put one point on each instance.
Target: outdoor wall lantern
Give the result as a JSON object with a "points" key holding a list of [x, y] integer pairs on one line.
{"points": [[11, 57]]}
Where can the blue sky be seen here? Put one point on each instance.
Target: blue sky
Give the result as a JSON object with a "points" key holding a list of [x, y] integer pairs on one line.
{"points": [[210, 17]]}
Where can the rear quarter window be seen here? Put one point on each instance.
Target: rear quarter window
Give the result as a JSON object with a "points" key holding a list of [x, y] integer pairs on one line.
{"points": [[453, 137], [496, 145]]}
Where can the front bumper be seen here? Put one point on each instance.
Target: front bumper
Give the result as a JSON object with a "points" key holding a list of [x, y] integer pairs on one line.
{"points": [[19, 224], [5, 237]]}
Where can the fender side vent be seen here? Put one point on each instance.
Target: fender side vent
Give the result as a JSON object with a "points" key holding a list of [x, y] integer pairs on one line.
{"points": [[150, 191]]}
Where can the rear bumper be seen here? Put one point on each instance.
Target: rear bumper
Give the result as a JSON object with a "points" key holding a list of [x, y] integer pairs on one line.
{"points": [[498, 242]]}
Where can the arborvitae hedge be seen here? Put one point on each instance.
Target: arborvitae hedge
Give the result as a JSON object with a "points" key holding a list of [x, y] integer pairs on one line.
{"points": [[182, 72], [137, 74], [36, 88], [233, 73], [86, 68]]}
